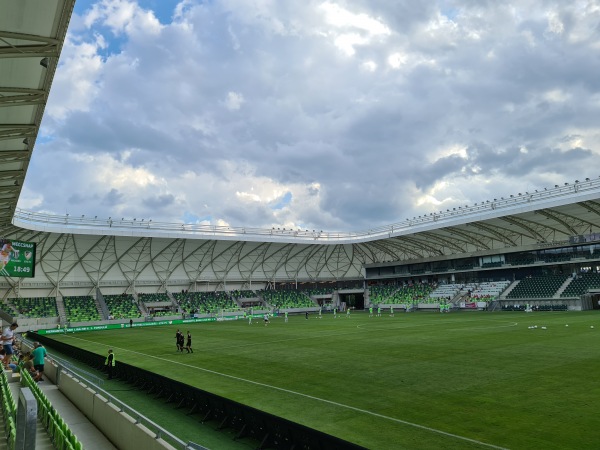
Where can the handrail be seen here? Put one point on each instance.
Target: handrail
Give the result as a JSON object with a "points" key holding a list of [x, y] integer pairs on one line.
{"points": [[533, 200], [159, 432], [95, 382]]}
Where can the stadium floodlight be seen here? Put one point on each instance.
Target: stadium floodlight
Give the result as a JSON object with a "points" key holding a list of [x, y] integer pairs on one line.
{"points": [[44, 62], [26, 141]]}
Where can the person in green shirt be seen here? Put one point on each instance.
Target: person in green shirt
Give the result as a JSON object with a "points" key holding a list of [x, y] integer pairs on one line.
{"points": [[286, 316], [38, 354], [370, 311]]}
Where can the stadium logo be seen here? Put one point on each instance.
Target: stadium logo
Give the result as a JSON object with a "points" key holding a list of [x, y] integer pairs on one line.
{"points": [[28, 255]]}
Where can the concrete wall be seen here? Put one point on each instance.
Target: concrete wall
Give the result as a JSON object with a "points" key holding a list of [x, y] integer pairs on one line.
{"points": [[119, 427]]}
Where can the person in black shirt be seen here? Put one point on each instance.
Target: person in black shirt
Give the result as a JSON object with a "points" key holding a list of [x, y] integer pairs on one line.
{"points": [[188, 345]]}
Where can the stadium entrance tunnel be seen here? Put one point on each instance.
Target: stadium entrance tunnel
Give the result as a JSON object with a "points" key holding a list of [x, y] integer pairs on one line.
{"points": [[355, 300], [269, 430], [595, 301]]}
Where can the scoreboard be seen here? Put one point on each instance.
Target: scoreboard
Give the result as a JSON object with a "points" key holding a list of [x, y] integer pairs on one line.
{"points": [[17, 258]]}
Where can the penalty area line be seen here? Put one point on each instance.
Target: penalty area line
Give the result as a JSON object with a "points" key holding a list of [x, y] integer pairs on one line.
{"points": [[311, 397]]}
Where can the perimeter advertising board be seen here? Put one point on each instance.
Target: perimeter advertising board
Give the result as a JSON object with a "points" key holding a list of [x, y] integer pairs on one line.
{"points": [[17, 258]]}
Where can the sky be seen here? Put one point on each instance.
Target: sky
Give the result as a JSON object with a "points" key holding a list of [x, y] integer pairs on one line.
{"points": [[331, 115]]}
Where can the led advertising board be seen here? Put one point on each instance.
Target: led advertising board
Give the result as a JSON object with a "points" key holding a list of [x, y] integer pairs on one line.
{"points": [[17, 258]]}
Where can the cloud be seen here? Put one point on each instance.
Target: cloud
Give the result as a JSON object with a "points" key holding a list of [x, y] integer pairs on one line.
{"points": [[319, 115]]}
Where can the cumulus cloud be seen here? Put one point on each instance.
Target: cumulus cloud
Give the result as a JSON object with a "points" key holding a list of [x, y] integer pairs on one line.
{"points": [[317, 114]]}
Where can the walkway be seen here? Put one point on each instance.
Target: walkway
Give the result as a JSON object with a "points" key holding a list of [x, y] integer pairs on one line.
{"points": [[86, 432]]}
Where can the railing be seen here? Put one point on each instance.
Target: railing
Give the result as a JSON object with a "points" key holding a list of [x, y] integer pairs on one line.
{"points": [[61, 435], [159, 432], [533, 200], [94, 381]]}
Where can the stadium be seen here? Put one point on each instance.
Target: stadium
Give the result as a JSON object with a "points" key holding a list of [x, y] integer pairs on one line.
{"points": [[469, 327]]}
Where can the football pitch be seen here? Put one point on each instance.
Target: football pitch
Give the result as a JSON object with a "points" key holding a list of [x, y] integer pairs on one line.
{"points": [[414, 381]]}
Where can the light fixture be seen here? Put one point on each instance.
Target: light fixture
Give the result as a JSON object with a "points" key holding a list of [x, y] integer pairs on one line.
{"points": [[44, 63], [26, 141]]}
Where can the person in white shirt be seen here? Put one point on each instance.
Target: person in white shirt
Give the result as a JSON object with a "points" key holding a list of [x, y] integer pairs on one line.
{"points": [[8, 339]]}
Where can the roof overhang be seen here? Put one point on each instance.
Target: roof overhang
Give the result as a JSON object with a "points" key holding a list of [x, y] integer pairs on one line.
{"points": [[31, 38]]}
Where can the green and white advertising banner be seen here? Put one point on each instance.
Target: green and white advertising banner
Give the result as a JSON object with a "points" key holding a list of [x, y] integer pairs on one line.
{"points": [[155, 323]]}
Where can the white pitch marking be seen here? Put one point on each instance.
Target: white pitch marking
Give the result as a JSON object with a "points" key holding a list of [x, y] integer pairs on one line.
{"points": [[300, 394]]}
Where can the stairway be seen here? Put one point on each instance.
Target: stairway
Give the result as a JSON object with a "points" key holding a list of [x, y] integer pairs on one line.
{"points": [[562, 287], [60, 306]]}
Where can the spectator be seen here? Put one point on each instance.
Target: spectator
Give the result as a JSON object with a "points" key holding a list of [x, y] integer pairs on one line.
{"points": [[29, 367], [8, 339], [39, 354]]}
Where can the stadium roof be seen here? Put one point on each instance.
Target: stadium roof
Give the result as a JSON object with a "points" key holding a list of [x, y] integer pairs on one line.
{"points": [[130, 250], [31, 37]]}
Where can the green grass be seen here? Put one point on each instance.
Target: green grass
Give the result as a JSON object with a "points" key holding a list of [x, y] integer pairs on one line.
{"points": [[414, 381]]}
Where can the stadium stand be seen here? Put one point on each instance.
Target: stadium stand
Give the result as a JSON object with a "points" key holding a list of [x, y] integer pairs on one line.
{"points": [[446, 291], [379, 294], [489, 290], [407, 294], [580, 285], [537, 287], [287, 298], [81, 309], [206, 302], [243, 294], [36, 306], [318, 291], [8, 308], [122, 306]]}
